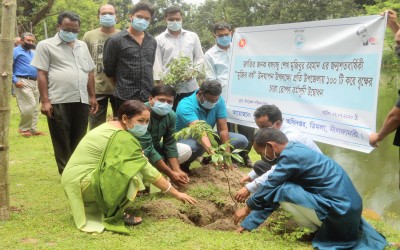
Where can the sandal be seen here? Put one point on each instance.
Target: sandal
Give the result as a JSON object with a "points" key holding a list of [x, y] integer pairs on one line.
{"points": [[131, 220]]}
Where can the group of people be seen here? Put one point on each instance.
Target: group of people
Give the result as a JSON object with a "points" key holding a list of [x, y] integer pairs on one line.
{"points": [[103, 170]]}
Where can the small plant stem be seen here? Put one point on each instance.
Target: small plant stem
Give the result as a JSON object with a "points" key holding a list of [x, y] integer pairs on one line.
{"points": [[229, 188]]}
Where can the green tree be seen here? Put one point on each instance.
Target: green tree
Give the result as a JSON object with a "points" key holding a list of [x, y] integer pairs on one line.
{"points": [[389, 59]]}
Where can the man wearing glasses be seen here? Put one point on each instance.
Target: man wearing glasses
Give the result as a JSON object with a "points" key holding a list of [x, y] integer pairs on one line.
{"points": [[66, 86]]}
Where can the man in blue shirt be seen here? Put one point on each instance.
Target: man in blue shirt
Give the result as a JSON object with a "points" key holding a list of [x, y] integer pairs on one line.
{"points": [[315, 190], [207, 105], [25, 85]]}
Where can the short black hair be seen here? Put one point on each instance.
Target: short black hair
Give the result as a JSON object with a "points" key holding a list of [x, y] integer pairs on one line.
{"points": [[131, 108], [172, 10], [98, 11], [70, 15], [143, 6], [25, 34], [272, 111], [221, 26], [269, 134], [211, 87], [163, 89]]}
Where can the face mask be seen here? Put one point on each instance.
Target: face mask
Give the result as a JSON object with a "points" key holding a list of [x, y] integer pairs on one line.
{"points": [[397, 50], [208, 105], [161, 108], [138, 129], [107, 20], [140, 24], [174, 26], [224, 41], [265, 158], [67, 36], [28, 46]]}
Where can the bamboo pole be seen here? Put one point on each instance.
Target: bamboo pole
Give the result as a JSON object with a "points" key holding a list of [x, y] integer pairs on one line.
{"points": [[9, 8]]}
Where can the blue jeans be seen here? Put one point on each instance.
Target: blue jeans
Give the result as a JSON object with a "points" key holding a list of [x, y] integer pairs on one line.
{"points": [[238, 141]]}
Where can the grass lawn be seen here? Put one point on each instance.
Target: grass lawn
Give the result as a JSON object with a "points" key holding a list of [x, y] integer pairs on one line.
{"points": [[41, 217]]}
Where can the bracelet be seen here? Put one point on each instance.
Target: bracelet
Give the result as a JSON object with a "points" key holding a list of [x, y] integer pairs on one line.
{"points": [[169, 187]]}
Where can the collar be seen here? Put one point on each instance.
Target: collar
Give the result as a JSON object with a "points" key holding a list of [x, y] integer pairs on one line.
{"points": [[218, 49], [182, 32]]}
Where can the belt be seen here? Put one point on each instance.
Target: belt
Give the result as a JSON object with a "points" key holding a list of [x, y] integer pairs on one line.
{"points": [[28, 77]]}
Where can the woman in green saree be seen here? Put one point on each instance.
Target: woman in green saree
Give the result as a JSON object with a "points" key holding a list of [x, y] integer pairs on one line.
{"points": [[106, 170]]}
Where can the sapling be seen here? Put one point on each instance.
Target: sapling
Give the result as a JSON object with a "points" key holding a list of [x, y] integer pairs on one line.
{"points": [[220, 157], [180, 69]]}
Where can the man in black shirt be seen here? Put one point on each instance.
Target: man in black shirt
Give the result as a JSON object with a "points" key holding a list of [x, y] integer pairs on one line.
{"points": [[128, 57]]}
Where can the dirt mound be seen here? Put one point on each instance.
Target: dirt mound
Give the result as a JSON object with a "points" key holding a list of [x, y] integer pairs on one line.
{"points": [[214, 208]]}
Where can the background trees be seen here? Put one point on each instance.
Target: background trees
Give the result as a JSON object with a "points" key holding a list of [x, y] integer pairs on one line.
{"points": [[200, 18]]}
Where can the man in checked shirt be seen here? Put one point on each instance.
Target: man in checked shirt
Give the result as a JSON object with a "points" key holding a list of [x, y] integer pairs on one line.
{"points": [[128, 57]]}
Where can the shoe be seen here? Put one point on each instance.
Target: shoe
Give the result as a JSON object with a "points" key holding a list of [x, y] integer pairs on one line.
{"points": [[246, 160], [205, 160], [38, 133], [25, 133], [185, 168], [131, 220]]}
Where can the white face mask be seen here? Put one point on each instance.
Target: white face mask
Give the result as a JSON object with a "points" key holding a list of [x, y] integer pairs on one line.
{"points": [[174, 25], [265, 158]]}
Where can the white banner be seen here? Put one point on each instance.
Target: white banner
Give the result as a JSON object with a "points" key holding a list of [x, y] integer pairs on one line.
{"points": [[323, 76]]}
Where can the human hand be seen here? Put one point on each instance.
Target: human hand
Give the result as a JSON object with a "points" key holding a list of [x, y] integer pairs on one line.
{"points": [[242, 195], [392, 22], [185, 198], [245, 179], [94, 106], [47, 109], [19, 84], [374, 139], [241, 230], [241, 214], [179, 178]]}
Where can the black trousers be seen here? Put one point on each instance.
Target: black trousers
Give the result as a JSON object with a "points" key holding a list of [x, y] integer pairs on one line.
{"points": [[67, 127]]}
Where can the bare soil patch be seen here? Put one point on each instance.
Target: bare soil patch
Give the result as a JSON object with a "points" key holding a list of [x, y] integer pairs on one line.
{"points": [[214, 208]]}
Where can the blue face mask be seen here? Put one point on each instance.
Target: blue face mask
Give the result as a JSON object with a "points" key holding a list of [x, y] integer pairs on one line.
{"points": [[107, 20], [174, 26], [224, 41], [138, 129], [161, 108], [67, 36], [208, 105], [140, 24]]}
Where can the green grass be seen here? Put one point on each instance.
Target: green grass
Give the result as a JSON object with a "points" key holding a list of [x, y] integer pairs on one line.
{"points": [[41, 217]]}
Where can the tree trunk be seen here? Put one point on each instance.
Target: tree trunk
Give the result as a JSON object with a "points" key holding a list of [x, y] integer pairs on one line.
{"points": [[9, 8]]}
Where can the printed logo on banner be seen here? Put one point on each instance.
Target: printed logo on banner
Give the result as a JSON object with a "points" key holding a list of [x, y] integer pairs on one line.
{"points": [[365, 38], [242, 43], [299, 38]]}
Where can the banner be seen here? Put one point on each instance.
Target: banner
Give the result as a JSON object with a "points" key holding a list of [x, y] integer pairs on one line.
{"points": [[323, 76]]}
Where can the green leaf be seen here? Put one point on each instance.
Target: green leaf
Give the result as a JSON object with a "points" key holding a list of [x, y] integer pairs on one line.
{"points": [[237, 158]]}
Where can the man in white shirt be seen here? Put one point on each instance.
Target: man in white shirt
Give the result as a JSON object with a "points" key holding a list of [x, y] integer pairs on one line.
{"points": [[173, 42], [216, 64], [269, 116]]}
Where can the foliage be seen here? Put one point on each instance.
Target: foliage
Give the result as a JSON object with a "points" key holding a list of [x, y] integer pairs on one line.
{"points": [[389, 59], [180, 69], [220, 156], [197, 131]]}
